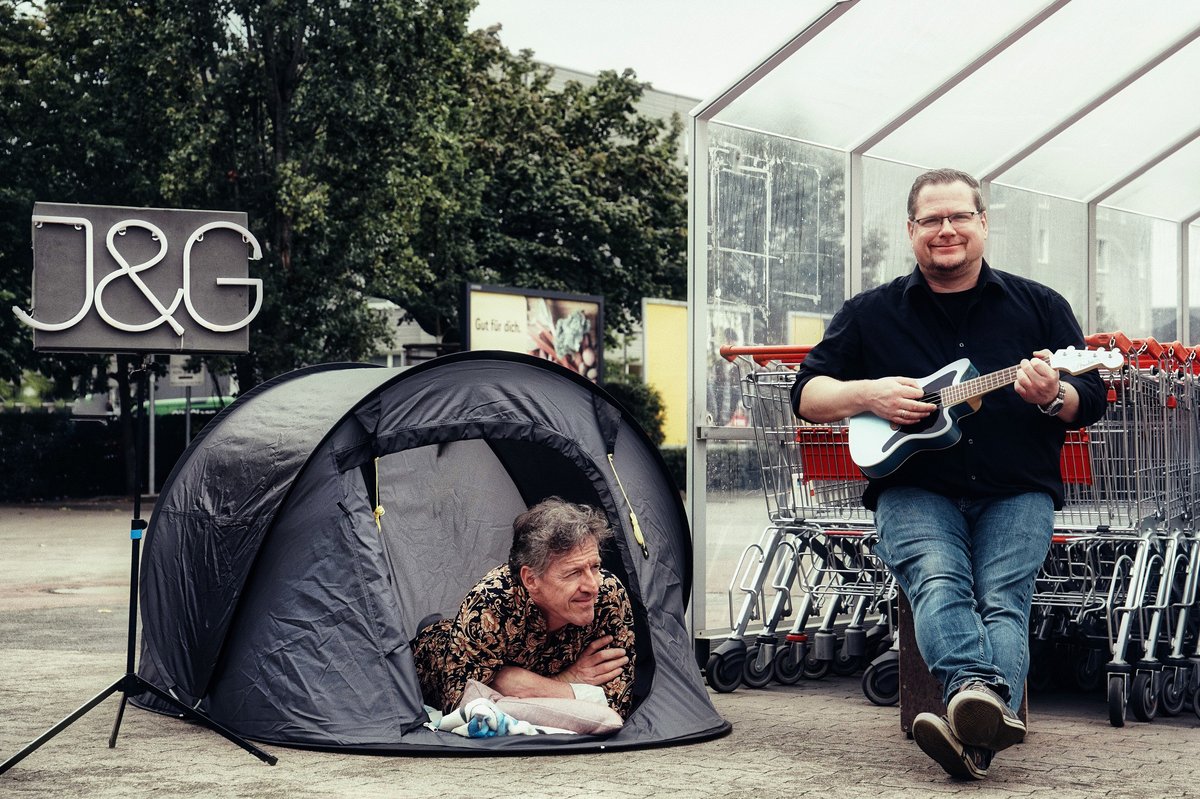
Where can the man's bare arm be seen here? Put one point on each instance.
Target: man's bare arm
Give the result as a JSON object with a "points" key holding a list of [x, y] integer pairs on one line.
{"points": [[897, 399], [523, 683], [596, 665]]}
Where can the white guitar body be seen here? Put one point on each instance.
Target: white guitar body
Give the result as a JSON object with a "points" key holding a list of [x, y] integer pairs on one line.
{"points": [[878, 447]]}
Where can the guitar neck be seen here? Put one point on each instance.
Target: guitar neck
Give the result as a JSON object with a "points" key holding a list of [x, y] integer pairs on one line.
{"points": [[1067, 360], [977, 386]]}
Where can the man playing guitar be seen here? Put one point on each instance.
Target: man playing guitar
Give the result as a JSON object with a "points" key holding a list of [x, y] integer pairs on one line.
{"points": [[964, 527]]}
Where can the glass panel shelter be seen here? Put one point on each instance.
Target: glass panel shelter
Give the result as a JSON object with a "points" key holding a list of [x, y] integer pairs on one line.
{"points": [[1078, 116]]}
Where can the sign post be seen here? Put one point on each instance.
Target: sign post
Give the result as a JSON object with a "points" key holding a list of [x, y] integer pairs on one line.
{"points": [[180, 376]]}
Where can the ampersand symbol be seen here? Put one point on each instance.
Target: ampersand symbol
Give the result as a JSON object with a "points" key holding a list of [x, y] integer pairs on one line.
{"points": [[130, 271]]}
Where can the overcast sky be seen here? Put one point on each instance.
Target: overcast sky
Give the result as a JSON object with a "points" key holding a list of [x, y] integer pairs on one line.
{"points": [[691, 47]]}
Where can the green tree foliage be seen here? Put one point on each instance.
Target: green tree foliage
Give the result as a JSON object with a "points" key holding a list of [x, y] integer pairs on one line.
{"points": [[570, 190], [328, 123], [80, 123], [332, 125], [60, 140], [643, 401], [378, 149]]}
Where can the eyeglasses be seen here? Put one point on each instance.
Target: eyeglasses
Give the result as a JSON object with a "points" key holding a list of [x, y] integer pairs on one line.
{"points": [[959, 220]]}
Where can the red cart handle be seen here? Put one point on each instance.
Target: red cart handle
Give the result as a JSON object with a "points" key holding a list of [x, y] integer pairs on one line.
{"points": [[762, 354], [1115, 340]]}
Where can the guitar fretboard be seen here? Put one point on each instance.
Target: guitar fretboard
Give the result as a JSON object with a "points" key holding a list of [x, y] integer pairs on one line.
{"points": [[977, 387]]}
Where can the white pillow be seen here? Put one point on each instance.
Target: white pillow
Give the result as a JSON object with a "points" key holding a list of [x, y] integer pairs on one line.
{"points": [[576, 715]]}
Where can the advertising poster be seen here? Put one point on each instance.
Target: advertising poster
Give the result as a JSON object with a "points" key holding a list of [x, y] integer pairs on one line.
{"points": [[565, 328], [664, 361]]}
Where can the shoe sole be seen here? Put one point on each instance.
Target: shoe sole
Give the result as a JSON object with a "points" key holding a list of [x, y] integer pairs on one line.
{"points": [[980, 720], [933, 742]]}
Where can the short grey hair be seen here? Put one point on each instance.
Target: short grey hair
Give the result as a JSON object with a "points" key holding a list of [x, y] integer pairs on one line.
{"points": [[938, 177], [552, 528]]}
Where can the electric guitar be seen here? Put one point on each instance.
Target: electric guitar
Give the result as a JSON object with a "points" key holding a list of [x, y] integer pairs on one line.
{"points": [[878, 446]]}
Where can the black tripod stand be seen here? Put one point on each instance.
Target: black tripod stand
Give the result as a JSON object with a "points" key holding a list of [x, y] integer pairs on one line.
{"points": [[131, 683]]}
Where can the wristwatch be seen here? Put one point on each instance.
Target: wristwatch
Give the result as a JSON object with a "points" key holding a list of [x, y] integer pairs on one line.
{"points": [[1055, 405]]}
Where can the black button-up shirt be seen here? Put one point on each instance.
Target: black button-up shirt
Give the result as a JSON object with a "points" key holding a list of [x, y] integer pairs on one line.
{"points": [[900, 329]]}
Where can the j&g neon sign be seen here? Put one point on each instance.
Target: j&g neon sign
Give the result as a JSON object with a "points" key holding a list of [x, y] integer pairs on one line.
{"points": [[127, 302], [166, 314]]}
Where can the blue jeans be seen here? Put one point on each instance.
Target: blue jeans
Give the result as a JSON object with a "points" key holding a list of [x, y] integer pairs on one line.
{"points": [[968, 568]]}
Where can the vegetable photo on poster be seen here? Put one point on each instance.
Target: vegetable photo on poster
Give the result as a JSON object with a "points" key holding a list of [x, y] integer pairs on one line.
{"points": [[564, 331]]}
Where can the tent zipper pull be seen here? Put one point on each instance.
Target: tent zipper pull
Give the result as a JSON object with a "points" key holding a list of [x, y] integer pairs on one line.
{"points": [[637, 528], [378, 512]]}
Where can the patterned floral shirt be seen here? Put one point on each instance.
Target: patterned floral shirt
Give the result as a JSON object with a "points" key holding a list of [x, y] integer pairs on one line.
{"points": [[499, 625]]}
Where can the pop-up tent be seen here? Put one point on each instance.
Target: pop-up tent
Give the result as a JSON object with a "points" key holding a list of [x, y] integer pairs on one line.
{"points": [[278, 596]]}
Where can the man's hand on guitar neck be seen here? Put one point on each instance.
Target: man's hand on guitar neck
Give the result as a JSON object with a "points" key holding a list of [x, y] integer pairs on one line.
{"points": [[1037, 383]]}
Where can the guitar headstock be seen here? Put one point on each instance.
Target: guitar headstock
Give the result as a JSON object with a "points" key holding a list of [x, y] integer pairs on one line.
{"points": [[1076, 362]]}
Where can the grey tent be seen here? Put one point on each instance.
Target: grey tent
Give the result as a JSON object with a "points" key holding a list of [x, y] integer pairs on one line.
{"points": [[276, 597]]}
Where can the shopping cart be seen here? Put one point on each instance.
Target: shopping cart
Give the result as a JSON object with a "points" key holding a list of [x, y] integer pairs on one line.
{"points": [[1119, 581], [814, 559], [768, 567]]}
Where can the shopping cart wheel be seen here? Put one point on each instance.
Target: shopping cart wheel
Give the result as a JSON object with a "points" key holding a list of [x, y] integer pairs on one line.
{"points": [[879, 640], [814, 669], [881, 680], [1116, 700], [1174, 695], [844, 665], [724, 671], [754, 674], [786, 667], [1040, 677], [1143, 699]]}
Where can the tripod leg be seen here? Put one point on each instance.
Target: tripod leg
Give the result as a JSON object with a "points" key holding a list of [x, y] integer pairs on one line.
{"points": [[136, 527], [62, 725], [136, 684], [112, 739]]}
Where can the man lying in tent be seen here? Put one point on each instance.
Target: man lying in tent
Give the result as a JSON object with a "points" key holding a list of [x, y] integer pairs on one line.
{"points": [[549, 623]]}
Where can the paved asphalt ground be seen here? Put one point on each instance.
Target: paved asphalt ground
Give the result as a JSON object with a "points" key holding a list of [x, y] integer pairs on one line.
{"points": [[64, 575]]}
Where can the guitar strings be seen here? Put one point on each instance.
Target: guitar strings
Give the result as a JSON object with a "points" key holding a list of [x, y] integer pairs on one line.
{"points": [[1000, 378]]}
